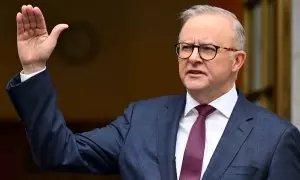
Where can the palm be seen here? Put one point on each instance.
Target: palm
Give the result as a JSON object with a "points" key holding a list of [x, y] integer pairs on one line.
{"points": [[31, 47], [35, 45]]}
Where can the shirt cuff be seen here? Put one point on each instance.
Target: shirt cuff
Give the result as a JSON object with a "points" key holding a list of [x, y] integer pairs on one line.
{"points": [[25, 77]]}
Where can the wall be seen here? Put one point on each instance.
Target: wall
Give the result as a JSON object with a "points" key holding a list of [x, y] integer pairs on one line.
{"points": [[135, 60], [16, 160]]}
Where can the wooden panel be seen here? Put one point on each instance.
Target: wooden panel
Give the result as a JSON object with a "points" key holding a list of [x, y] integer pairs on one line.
{"points": [[16, 158], [11, 151], [234, 6], [283, 63], [247, 69], [85, 91], [154, 28], [265, 50]]}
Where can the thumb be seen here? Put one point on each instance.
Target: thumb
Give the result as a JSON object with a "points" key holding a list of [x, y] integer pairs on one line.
{"points": [[56, 31]]}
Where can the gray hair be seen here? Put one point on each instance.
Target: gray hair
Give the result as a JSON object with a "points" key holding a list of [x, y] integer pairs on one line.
{"points": [[239, 32]]}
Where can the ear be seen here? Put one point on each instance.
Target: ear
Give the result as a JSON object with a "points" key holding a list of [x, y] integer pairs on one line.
{"points": [[239, 60]]}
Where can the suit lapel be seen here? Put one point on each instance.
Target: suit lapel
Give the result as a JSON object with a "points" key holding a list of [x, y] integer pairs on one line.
{"points": [[167, 124], [235, 134]]}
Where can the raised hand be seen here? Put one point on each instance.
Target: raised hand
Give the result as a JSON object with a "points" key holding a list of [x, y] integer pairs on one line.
{"points": [[35, 45]]}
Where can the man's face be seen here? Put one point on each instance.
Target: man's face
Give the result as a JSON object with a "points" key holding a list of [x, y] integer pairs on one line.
{"points": [[198, 74]]}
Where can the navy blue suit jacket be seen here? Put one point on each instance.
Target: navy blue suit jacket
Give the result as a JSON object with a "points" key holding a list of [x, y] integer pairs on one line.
{"points": [[140, 144]]}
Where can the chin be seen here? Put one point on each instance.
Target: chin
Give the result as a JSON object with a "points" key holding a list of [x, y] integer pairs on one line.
{"points": [[195, 86]]}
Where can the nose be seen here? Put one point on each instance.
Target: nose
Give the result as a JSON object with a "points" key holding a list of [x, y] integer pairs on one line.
{"points": [[195, 57]]}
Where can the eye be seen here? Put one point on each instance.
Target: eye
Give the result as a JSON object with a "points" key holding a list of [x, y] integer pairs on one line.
{"points": [[186, 47], [207, 49]]}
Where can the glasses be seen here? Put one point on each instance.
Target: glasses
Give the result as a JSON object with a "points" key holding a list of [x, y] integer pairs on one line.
{"points": [[206, 51]]}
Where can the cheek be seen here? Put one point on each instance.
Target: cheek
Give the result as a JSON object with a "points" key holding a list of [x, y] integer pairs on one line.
{"points": [[182, 67], [219, 70]]}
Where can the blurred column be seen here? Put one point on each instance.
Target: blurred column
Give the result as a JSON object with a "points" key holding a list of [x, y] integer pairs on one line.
{"points": [[295, 63], [247, 75], [282, 73], [265, 48]]}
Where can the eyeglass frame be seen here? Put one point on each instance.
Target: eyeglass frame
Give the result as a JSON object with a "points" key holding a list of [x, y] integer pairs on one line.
{"points": [[201, 45]]}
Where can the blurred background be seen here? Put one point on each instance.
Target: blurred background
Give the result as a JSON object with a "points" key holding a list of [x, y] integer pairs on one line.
{"points": [[123, 50]]}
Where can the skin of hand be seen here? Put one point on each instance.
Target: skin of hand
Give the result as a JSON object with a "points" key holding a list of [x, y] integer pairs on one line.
{"points": [[34, 43]]}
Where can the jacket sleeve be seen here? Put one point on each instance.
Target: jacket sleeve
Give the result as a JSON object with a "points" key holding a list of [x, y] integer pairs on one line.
{"points": [[53, 145], [285, 163]]}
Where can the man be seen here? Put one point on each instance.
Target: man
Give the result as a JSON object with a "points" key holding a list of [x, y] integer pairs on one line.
{"points": [[211, 132]]}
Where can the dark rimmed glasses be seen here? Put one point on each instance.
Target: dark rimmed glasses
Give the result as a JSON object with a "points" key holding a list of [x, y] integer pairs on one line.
{"points": [[206, 51]]}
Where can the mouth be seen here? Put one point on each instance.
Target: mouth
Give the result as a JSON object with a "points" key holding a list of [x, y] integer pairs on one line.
{"points": [[195, 72]]}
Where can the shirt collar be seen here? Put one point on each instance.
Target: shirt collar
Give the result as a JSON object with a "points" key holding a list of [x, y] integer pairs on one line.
{"points": [[224, 103]]}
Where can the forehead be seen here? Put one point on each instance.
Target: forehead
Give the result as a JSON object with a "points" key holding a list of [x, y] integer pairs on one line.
{"points": [[207, 28]]}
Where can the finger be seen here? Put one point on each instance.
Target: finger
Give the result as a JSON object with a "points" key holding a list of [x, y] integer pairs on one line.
{"points": [[25, 19], [40, 21], [57, 31], [20, 27], [31, 17]]}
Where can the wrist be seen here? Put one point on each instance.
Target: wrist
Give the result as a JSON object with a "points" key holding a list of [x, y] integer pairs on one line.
{"points": [[32, 68]]}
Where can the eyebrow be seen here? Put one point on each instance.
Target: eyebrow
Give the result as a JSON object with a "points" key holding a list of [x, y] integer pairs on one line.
{"points": [[197, 43]]}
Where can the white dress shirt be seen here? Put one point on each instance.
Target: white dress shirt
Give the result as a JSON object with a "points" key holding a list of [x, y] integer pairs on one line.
{"points": [[215, 124]]}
